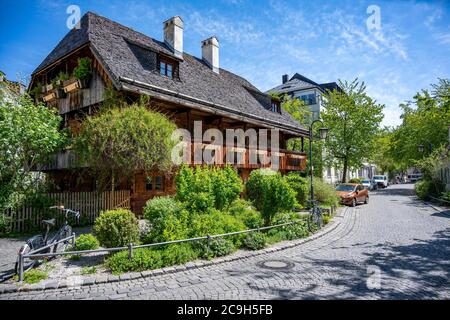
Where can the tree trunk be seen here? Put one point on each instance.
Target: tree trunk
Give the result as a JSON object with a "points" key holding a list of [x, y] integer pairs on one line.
{"points": [[344, 174]]}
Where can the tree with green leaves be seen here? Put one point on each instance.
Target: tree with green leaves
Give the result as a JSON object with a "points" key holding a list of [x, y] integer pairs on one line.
{"points": [[425, 122], [29, 135], [352, 118], [118, 141]]}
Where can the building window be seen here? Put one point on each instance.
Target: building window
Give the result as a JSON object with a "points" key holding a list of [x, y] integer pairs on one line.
{"points": [[154, 183], [149, 184], [159, 183], [309, 99], [167, 68], [275, 106]]}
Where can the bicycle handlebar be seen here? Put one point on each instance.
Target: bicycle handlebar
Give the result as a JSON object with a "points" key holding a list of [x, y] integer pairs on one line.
{"points": [[76, 213]]}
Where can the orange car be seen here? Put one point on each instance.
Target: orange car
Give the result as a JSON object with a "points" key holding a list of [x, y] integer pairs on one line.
{"points": [[352, 193]]}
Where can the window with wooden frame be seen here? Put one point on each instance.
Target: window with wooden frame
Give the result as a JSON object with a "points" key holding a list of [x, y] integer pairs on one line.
{"points": [[155, 183], [168, 67], [275, 106]]}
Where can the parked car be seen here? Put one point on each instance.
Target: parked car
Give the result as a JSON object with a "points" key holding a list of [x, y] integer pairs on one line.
{"points": [[413, 178], [381, 181], [352, 193], [368, 184]]}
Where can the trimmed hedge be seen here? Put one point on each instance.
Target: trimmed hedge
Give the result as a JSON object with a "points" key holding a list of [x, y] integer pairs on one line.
{"points": [[116, 228]]}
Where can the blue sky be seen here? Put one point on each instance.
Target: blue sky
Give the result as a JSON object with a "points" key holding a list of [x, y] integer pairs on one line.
{"points": [[261, 40]]}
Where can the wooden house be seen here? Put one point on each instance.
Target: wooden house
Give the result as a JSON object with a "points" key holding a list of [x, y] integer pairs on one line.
{"points": [[187, 88]]}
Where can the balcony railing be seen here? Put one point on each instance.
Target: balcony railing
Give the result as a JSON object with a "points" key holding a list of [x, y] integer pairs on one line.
{"points": [[243, 158]]}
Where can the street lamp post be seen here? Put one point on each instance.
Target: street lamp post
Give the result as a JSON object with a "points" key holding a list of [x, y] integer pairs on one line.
{"points": [[323, 132]]}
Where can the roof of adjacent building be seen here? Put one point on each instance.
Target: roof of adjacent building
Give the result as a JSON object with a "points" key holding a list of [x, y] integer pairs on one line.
{"points": [[126, 55], [299, 82]]}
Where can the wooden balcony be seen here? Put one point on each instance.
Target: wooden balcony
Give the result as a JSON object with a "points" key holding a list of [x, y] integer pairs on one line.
{"points": [[287, 160], [245, 158]]}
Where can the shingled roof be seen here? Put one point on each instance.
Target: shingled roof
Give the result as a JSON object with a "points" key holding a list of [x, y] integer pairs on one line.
{"points": [[299, 82], [127, 56]]}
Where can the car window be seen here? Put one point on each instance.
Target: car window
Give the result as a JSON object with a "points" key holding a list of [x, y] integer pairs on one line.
{"points": [[343, 187]]}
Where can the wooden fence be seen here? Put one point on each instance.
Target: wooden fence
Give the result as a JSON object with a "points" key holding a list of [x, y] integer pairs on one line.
{"points": [[89, 204]]}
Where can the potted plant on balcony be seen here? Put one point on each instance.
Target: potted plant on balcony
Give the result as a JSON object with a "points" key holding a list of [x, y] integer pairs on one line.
{"points": [[58, 85], [37, 91], [83, 72]]}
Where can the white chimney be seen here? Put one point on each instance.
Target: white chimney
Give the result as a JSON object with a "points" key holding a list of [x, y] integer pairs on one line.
{"points": [[210, 53], [173, 35]]}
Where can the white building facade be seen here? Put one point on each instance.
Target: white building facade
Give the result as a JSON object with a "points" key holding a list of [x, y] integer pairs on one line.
{"points": [[313, 95]]}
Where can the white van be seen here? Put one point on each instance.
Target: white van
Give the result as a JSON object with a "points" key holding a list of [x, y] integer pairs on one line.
{"points": [[381, 181]]}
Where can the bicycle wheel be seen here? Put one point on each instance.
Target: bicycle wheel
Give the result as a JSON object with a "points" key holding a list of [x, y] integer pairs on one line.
{"points": [[62, 246], [31, 245]]}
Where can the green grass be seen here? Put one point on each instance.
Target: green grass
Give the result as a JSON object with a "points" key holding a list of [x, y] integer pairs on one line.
{"points": [[89, 270], [33, 276]]}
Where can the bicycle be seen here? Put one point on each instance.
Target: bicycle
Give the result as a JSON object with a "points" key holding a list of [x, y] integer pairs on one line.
{"points": [[315, 219], [40, 241]]}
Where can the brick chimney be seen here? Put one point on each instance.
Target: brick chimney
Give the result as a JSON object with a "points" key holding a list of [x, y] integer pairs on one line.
{"points": [[210, 53], [173, 35]]}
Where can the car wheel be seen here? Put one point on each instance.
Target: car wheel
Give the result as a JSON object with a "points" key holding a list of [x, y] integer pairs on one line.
{"points": [[366, 201], [354, 202]]}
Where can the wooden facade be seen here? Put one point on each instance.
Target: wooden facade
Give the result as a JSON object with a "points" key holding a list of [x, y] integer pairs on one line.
{"points": [[67, 174]]}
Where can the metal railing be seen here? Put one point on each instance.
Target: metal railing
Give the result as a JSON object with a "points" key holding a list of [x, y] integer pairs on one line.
{"points": [[130, 247]]}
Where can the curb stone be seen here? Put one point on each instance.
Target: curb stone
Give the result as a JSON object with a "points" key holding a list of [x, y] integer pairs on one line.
{"points": [[78, 281]]}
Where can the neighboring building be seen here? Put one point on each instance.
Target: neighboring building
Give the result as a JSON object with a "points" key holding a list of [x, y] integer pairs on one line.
{"points": [[313, 94], [10, 89], [184, 87]]}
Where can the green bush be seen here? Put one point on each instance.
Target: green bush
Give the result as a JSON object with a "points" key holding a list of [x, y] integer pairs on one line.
{"points": [[270, 193], [355, 180], [143, 259], [300, 185], [255, 241], [324, 192], [178, 254], [216, 222], [445, 196], [244, 211], [86, 242], [84, 68], [151, 258], [326, 219], [218, 247], [204, 188], [168, 219], [33, 276], [4, 224], [423, 188], [288, 232], [116, 228]]}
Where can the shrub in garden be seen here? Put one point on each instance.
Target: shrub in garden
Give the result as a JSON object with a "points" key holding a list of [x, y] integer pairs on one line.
{"points": [[4, 224], [300, 185], [270, 193], [204, 188], [218, 247], [116, 228], [288, 232], [423, 188], [143, 259], [355, 180], [244, 211], [324, 192], [86, 242], [216, 222], [151, 258], [255, 241], [168, 219]]}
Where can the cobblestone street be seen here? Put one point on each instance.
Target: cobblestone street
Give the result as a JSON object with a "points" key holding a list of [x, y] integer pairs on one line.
{"points": [[393, 248]]}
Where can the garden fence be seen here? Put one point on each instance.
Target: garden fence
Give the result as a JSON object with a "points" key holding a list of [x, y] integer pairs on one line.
{"points": [[89, 204]]}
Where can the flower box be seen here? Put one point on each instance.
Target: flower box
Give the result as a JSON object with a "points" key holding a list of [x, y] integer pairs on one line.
{"points": [[49, 96], [71, 85]]}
